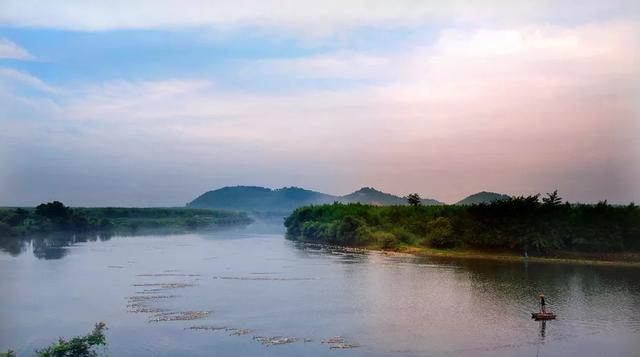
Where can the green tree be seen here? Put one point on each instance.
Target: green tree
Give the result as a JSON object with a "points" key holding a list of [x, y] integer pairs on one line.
{"points": [[77, 346], [55, 210], [414, 200], [552, 199], [441, 233]]}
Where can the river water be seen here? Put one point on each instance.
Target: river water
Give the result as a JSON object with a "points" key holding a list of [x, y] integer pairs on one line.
{"points": [[228, 293]]}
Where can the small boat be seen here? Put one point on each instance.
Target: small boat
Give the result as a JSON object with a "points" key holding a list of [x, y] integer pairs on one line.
{"points": [[547, 315]]}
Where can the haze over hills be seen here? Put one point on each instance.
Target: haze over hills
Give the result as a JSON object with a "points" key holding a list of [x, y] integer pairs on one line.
{"points": [[254, 198], [482, 197], [370, 195]]}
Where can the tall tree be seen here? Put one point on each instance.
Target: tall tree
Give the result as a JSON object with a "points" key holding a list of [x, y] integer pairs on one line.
{"points": [[552, 199], [414, 199]]}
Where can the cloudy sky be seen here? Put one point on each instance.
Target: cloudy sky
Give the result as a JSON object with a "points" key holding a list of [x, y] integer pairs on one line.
{"points": [[146, 103]]}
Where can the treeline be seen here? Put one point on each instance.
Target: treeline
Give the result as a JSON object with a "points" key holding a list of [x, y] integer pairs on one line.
{"points": [[56, 217], [518, 224]]}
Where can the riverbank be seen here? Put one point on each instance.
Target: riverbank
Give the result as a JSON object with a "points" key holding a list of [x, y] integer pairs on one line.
{"points": [[609, 259], [55, 217], [614, 259], [598, 234]]}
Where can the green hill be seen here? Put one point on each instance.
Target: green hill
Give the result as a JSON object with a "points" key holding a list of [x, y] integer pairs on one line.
{"points": [[483, 197], [261, 199], [371, 196]]}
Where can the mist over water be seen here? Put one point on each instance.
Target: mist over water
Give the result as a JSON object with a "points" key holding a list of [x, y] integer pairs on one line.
{"points": [[230, 292]]}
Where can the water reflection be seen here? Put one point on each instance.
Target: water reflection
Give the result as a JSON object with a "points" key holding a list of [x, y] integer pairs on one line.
{"points": [[56, 245], [13, 246], [50, 246]]}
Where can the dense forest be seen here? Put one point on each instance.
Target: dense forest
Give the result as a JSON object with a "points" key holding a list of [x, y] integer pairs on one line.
{"points": [[515, 224], [56, 217]]}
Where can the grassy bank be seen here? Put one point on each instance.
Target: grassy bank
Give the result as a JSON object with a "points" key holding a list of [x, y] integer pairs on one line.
{"points": [[56, 217], [547, 230]]}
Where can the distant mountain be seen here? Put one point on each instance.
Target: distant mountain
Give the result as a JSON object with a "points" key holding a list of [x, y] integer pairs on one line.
{"points": [[483, 197], [371, 196], [253, 198], [261, 199]]}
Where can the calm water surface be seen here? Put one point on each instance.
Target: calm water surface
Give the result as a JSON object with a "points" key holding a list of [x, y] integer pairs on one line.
{"points": [[252, 278]]}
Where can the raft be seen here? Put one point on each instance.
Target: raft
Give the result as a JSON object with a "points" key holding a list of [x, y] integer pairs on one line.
{"points": [[543, 316]]}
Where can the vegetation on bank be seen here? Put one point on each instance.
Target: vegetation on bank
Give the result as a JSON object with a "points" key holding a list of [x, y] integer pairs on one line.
{"points": [[56, 217], [516, 224], [82, 346]]}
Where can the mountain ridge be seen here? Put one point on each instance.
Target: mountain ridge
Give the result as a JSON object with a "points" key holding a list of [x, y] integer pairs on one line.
{"points": [[257, 198], [482, 197], [286, 199]]}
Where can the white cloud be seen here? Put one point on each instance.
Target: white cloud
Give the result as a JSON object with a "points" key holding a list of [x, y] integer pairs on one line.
{"points": [[311, 16], [519, 110], [24, 78], [10, 50]]}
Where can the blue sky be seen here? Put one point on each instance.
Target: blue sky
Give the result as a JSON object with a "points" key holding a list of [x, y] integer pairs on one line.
{"points": [[150, 103]]}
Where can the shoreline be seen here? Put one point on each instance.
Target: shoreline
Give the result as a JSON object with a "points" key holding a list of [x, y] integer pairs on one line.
{"points": [[630, 260], [571, 259], [509, 257]]}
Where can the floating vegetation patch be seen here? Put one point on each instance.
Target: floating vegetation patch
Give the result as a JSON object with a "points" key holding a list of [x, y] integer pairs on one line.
{"points": [[207, 328], [240, 331], [260, 278], [275, 340], [150, 297], [343, 345], [167, 285], [142, 301], [150, 291], [178, 316], [168, 274], [143, 308], [338, 342], [233, 331]]}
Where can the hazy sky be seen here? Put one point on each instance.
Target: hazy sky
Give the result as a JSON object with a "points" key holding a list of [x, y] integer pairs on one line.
{"points": [[151, 103]]}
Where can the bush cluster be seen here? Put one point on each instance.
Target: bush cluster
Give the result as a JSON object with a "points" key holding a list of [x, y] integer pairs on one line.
{"points": [[519, 223]]}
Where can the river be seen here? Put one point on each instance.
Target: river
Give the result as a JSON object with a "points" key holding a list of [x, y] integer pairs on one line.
{"points": [[228, 293]]}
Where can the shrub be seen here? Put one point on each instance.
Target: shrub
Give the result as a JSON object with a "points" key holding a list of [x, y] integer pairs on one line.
{"points": [[77, 346], [441, 233], [386, 240], [6, 230]]}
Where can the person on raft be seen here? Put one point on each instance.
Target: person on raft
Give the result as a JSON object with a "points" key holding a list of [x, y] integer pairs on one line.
{"points": [[542, 303]]}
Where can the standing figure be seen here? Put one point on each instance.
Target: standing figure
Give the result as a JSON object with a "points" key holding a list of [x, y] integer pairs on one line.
{"points": [[542, 303]]}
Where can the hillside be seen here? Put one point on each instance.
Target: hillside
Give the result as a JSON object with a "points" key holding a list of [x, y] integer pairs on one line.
{"points": [[483, 197], [254, 198], [369, 195], [261, 199]]}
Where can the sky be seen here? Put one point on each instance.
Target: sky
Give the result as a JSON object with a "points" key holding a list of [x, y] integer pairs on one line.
{"points": [[151, 103]]}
